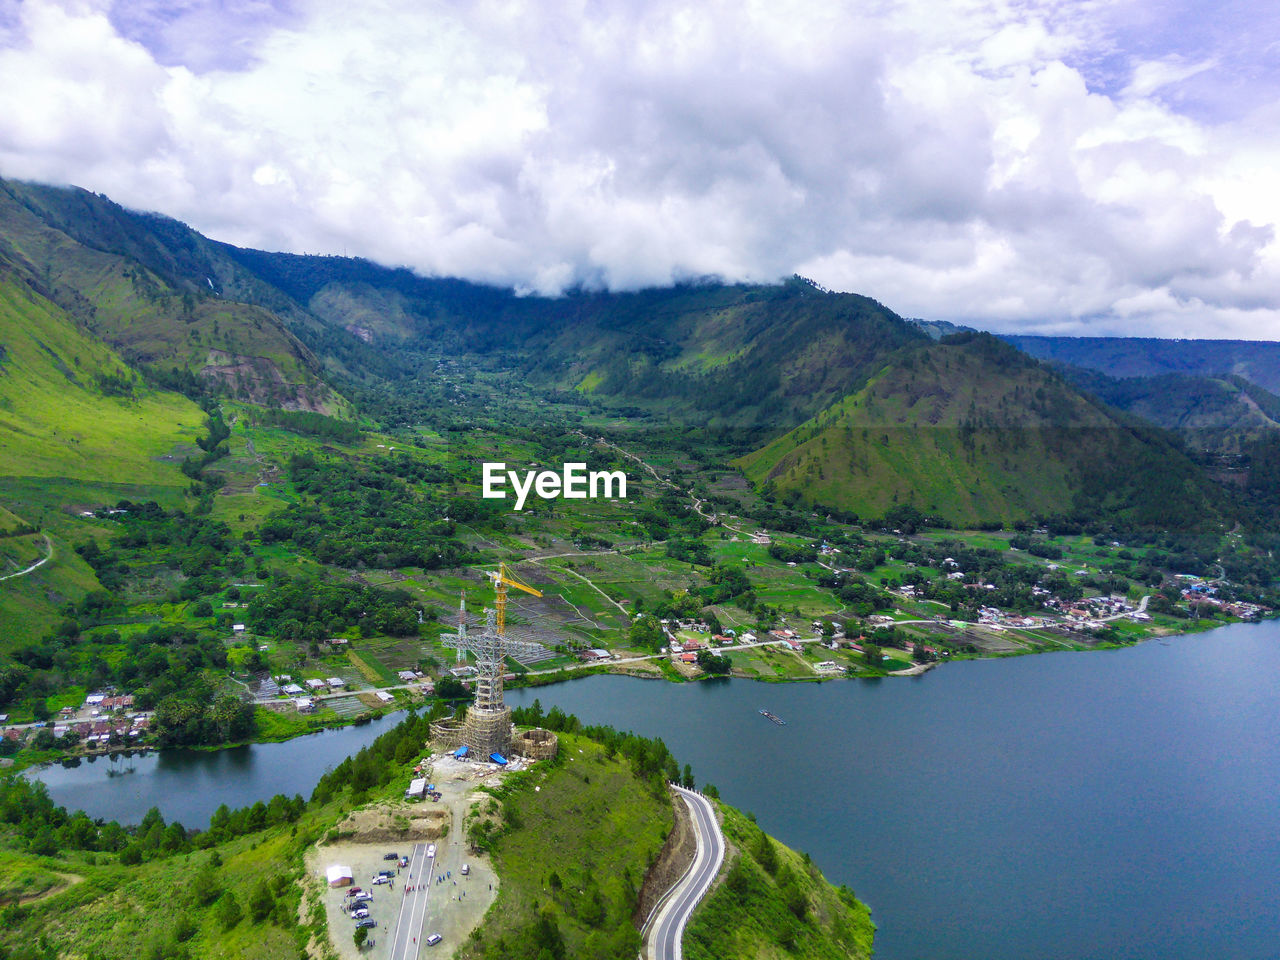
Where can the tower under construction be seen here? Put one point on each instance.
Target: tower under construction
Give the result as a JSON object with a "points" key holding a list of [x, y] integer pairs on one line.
{"points": [[487, 727]]}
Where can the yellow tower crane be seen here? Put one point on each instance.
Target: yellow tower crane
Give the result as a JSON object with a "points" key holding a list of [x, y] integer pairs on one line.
{"points": [[503, 578]]}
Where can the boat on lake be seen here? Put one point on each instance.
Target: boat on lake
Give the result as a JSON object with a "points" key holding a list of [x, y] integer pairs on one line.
{"points": [[774, 717]]}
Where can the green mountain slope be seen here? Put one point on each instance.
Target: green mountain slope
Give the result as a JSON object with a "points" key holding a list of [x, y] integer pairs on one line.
{"points": [[724, 355], [974, 432], [1255, 360], [78, 429], [71, 408], [1220, 415], [159, 293]]}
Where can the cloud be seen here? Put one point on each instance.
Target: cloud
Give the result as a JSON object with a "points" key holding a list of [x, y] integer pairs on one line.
{"points": [[1029, 166]]}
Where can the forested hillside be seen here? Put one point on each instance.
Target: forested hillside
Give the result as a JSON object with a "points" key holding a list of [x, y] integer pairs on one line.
{"points": [[1256, 361], [973, 432], [1217, 415]]}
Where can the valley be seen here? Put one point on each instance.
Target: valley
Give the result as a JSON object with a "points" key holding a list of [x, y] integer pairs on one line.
{"points": [[815, 488]]}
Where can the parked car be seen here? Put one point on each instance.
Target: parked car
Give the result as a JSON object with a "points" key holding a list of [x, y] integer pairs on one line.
{"points": [[353, 891], [360, 913], [404, 861], [367, 922], [434, 939], [466, 869], [391, 856], [381, 879]]}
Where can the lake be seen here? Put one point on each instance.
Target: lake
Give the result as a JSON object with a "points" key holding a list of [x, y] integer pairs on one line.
{"points": [[1114, 804]]}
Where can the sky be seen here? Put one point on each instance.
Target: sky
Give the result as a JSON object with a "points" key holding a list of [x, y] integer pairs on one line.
{"points": [[1037, 166]]}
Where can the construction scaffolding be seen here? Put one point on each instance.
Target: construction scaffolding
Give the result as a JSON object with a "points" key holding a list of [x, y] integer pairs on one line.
{"points": [[487, 726]]}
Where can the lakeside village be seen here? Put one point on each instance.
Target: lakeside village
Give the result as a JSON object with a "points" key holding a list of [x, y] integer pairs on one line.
{"points": [[107, 721]]}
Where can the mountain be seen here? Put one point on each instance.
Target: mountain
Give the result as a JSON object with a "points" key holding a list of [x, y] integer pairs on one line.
{"points": [[724, 355], [864, 409], [1217, 415], [972, 431], [160, 294], [71, 408], [1257, 361]]}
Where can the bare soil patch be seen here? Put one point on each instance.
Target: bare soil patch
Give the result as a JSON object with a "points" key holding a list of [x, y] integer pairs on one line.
{"points": [[392, 822]]}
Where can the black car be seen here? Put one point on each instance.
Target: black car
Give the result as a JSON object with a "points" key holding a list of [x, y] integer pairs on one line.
{"points": [[367, 922], [391, 856]]}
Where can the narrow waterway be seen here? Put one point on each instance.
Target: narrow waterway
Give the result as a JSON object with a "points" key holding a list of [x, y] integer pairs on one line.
{"points": [[1117, 804]]}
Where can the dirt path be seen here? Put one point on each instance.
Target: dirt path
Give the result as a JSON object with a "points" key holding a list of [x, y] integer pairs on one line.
{"points": [[48, 544], [587, 580], [69, 880]]}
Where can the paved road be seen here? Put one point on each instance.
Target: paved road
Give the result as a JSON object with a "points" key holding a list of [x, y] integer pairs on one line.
{"points": [[38, 564], [668, 928], [413, 904]]}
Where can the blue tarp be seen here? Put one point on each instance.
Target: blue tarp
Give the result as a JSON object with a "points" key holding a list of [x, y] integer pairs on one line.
{"points": [[498, 758], [461, 751]]}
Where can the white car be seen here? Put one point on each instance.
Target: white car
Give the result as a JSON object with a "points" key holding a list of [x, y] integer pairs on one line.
{"points": [[434, 939], [359, 914], [378, 880], [431, 851]]}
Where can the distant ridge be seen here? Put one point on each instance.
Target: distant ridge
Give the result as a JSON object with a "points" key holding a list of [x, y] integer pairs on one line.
{"points": [[1257, 361]]}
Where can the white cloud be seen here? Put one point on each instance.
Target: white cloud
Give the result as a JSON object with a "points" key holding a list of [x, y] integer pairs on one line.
{"points": [[950, 159]]}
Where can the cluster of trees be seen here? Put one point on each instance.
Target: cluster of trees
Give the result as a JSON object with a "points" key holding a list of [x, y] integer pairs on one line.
{"points": [[786, 553], [378, 513], [48, 829], [202, 550], [381, 761], [689, 550], [1036, 547], [650, 759], [309, 424], [193, 718], [855, 593], [308, 609], [163, 661]]}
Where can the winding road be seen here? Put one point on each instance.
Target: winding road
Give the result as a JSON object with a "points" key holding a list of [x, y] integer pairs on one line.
{"points": [[38, 564], [667, 929]]}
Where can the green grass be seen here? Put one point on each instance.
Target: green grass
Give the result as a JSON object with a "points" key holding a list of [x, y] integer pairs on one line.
{"points": [[54, 422], [775, 905], [596, 828], [124, 913]]}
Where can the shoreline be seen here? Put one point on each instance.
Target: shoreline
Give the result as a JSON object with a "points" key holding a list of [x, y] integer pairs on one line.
{"points": [[566, 674]]}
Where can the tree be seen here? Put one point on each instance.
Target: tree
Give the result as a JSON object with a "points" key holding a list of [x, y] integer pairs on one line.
{"points": [[645, 633], [204, 888], [45, 842], [227, 911], [686, 780], [451, 688], [714, 664], [871, 653], [261, 901], [360, 936]]}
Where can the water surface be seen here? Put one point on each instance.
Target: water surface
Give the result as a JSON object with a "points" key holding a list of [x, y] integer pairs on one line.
{"points": [[1112, 805]]}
